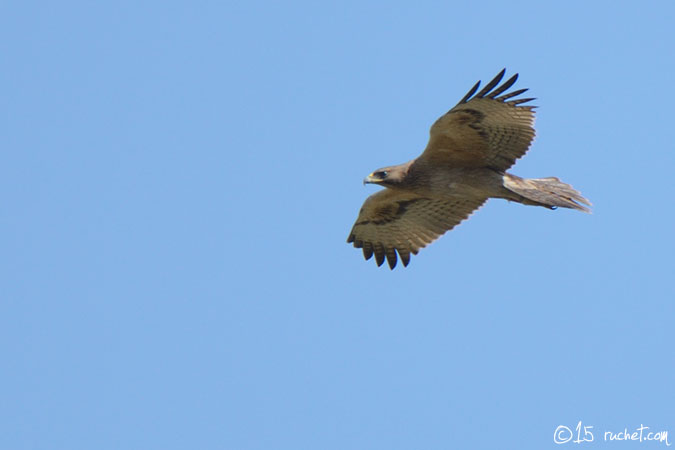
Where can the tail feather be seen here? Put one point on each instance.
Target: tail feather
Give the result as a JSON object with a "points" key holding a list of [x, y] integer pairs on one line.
{"points": [[549, 192]]}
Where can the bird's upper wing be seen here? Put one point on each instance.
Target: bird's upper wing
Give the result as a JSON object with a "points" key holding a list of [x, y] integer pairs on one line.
{"points": [[392, 221], [483, 130]]}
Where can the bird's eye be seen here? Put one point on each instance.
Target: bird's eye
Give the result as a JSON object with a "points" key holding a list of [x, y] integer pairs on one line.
{"points": [[381, 174]]}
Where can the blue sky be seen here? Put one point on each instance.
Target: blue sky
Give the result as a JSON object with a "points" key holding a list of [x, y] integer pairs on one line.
{"points": [[179, 179]]}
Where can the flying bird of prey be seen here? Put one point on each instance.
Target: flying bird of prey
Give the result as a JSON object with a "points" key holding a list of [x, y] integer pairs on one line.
{"points": [[464, 164]]}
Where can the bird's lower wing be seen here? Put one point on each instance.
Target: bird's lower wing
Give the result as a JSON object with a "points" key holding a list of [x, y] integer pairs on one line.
{"points": [[395, 222]]}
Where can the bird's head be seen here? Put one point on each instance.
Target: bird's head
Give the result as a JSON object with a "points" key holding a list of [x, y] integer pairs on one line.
{"points": [[387, 176]]}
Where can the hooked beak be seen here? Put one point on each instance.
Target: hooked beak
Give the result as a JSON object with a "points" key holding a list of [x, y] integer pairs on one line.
{"points": [[370, 179]]}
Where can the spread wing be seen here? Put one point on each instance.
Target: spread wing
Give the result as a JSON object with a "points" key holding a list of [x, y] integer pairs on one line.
{"points": [[392, 222], [488, 129]]}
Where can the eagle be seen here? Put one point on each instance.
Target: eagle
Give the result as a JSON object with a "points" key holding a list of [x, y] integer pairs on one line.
{"points": [[464, 164]]}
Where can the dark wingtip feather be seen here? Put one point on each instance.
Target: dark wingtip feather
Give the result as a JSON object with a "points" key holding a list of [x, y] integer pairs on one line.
{"points": [[405, 258], [511, 94], [391, 258], [470, 93], [521, 100], [379, 254], [495, 81], [505, 85], [488, 93]]}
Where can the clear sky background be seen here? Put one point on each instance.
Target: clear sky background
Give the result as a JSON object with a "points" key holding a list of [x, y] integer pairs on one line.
{"points": [[178, 180]]}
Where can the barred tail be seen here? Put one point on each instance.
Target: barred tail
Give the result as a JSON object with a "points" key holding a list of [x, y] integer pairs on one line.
{"points": [[548, 192]]}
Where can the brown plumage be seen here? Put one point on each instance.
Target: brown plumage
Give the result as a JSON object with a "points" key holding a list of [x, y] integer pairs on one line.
{"points": [[464, 164]]}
